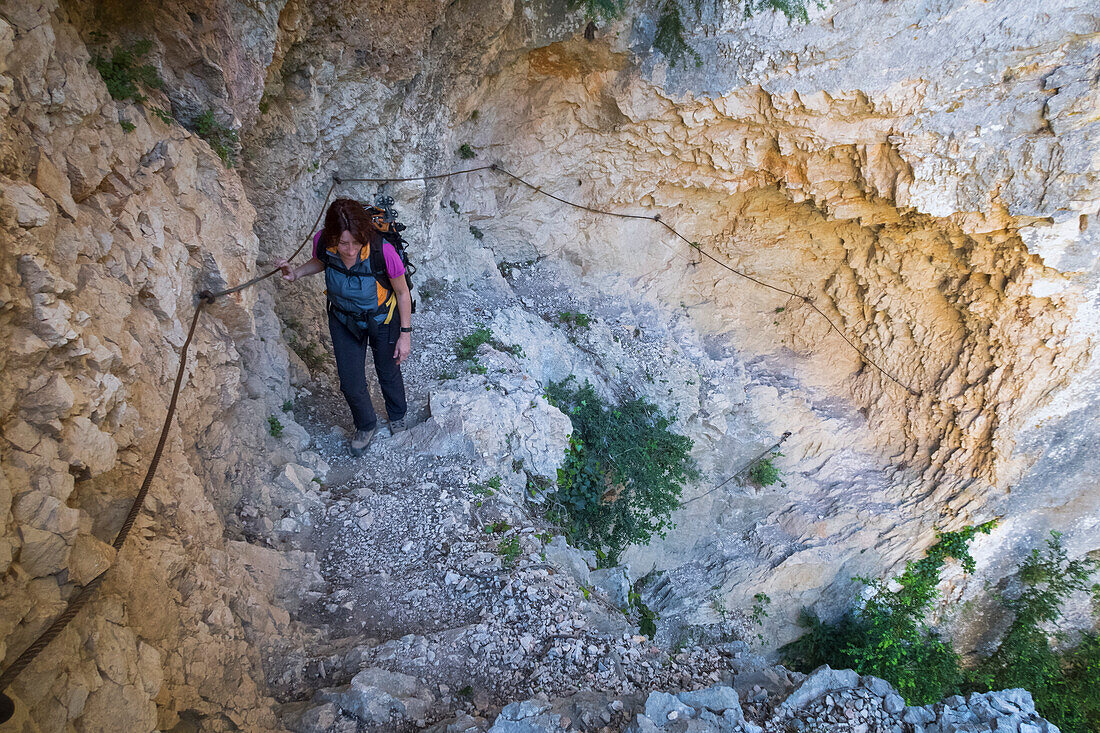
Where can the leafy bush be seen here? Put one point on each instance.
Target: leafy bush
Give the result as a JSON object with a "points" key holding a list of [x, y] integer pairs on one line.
{"points": [[466, 348], [888, 637], [163, 115], [510, 550], [580, 320], [122, 73], [598, 9], [1065, 685], [623, 474], [764, 472], [127, 126], [309, 353], [465, 151], [221, 139], [478, 234], [793, 9], [669, 38], [274, 426]]}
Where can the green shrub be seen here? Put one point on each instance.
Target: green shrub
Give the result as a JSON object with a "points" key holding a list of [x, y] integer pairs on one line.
{"points": [[222, 139], [888, 637], [288, 405], [1065, 684], [310, 354], [580, 320], [478, 234], [163, 115], [122, 73], [765, 472], [466, 348], [127, 126], [598, 9], [793, 9], [510, 549], [465, 151], [274, 426], [669, 38], [623, 473]]}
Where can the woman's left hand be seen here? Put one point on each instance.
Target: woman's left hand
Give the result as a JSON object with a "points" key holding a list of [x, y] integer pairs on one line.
{"points": [[404, 347]]}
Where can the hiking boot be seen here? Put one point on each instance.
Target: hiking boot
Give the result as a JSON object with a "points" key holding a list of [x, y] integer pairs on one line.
{"points": [[361, 440], [397, 426]]}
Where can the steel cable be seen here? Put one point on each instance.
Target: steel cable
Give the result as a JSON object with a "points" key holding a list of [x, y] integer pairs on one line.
{"points": [[206, 297]]}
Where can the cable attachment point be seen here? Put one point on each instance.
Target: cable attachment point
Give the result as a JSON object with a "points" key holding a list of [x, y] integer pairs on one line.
{"points": [[207, 297], [494, 167], [656, 217], [337, 178]]}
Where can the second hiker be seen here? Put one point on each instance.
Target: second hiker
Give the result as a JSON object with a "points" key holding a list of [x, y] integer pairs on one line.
{"points": [[369, 305]]}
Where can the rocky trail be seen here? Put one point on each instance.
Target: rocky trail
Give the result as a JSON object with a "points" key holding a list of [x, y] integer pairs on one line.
{"points": [[442, 596]]}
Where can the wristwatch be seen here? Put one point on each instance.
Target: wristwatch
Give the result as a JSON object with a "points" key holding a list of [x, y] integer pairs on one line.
{"points": [[406, 329]]}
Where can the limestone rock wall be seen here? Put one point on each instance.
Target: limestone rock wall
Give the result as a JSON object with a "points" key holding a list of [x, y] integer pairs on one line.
{"points": [[930, 186], [108, 235]]}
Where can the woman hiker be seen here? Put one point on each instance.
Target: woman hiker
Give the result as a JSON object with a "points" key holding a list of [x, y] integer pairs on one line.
{"points": [[368, 304]]}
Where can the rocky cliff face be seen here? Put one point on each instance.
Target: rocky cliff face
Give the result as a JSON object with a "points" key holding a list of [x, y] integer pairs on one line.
{"points": [[108, 235], [930, 191], [929, 188]]}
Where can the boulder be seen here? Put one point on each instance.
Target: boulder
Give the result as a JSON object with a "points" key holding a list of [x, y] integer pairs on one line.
{"points": [[822, 680]]}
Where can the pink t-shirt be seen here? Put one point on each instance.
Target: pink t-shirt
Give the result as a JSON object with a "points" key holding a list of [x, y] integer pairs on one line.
{"points": [[394, 266]]}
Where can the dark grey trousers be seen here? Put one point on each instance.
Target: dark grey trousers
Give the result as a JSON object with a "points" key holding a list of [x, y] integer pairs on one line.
{"points": [[351, 355]]}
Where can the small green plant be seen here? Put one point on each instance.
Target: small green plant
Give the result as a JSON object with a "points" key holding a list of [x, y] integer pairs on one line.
{"points": [[669, 38], [623, 472], [760, 603], [163, 115], [265, 105], [780, 309], [792, 9], [454, 206], [578, 320], [222, 139], [586, 592], [474, 115], [647, 619], [466, 348], [764, 472], [310, 353], [127, 126], [274, 426], [478, 234], [499, 527], [122, 72], [288, 405], [510, 550], [465, 151], [488, 488], [598, 9]]}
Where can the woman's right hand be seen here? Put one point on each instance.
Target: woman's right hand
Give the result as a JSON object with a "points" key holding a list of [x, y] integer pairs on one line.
{"points": [[288, 270]]}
